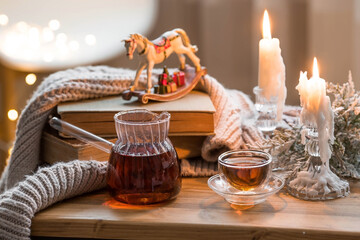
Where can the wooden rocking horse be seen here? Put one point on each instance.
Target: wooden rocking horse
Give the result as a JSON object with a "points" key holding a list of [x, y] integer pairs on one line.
{"points": [[156, 51]]}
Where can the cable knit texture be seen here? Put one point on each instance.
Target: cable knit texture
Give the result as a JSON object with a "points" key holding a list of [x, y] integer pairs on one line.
{"points": [[46, 187], [52, 184]]}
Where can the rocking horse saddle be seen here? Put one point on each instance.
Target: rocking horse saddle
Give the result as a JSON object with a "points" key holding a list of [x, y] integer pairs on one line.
{"points": [[162, 43]]}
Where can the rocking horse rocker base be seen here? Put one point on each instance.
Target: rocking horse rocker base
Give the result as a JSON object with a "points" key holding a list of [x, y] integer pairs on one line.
{"points": [[192, 78]]}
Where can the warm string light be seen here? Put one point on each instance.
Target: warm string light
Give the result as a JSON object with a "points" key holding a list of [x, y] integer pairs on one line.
{"points": [[4, 20], [30, 79], [54, 24], [29, 42], [12, 115]]}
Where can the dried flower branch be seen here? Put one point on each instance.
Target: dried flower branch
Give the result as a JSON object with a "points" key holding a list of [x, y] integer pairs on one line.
{"points": [[345, 160]]}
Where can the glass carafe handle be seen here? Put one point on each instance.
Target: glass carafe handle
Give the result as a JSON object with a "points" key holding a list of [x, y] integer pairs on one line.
{"points": [[81, 134]]}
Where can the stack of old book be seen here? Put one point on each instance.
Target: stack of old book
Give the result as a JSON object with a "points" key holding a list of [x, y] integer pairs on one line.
{"points": [[192, 120]]}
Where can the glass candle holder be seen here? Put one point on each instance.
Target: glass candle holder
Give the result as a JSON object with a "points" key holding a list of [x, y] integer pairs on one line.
{"points": [[267, 111], [317, 182]]}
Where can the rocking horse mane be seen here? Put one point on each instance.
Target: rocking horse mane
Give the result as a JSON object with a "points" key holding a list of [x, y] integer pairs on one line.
{"points": [[140, 37], [137, 36]]}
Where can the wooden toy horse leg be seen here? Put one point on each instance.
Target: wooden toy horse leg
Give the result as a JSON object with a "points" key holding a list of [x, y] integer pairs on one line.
{"points": [[182, 61], [195, 60], [149, 71], [192, 57], [138, 72]]}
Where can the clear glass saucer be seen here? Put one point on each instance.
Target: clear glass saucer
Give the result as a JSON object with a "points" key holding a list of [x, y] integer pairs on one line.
{"points": [[237, 197]]}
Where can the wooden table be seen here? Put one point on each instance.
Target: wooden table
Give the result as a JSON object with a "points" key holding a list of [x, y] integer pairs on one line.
{"points": [[198, 213]]}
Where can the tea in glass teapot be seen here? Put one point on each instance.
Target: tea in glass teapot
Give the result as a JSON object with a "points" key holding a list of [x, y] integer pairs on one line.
{"points": [[143, 164]]}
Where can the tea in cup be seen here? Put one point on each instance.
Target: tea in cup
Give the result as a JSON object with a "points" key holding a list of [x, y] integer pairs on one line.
{"points": [[245, 170]]}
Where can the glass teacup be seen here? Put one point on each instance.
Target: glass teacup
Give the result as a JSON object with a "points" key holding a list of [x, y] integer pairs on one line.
{"points": [[245, 170]]}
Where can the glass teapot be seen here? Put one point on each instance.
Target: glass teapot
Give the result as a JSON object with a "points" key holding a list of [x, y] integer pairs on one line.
{"points": [[143, 164]]}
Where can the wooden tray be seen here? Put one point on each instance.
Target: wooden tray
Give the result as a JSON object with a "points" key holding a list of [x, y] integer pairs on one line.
{"points": [[191, 80]]}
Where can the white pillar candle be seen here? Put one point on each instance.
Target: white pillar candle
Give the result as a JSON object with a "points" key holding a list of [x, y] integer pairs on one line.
{"points": [[271, 68], [316, 109]]}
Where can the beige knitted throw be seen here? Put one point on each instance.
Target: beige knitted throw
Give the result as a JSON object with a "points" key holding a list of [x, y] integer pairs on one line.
{"points": [[24, 196]]}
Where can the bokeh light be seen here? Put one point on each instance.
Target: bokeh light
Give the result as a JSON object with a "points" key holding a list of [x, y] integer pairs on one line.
{"points": [[3, 20], [54, 24], [13, 114], [30, 79]]}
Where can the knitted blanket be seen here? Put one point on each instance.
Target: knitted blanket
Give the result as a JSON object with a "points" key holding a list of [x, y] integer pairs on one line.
{"points": [[27, 195]]}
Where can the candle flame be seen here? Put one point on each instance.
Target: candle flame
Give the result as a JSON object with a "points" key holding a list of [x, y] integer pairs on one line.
{"points": [[315, 69], [266, 26]]}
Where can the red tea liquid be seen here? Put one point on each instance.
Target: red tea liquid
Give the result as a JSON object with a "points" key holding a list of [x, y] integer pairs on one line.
{"points": [[135, 179], [246, 174]]}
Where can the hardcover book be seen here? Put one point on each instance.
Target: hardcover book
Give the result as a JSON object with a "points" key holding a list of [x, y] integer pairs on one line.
{"points": [[192, 115]]}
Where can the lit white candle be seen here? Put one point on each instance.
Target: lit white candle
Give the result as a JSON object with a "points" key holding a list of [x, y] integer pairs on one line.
{"points": [[317, 182], [316, 109], [271, 68]]}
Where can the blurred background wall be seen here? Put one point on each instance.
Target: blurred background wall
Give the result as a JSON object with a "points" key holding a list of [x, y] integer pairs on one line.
{"points": [[227, 33]]}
